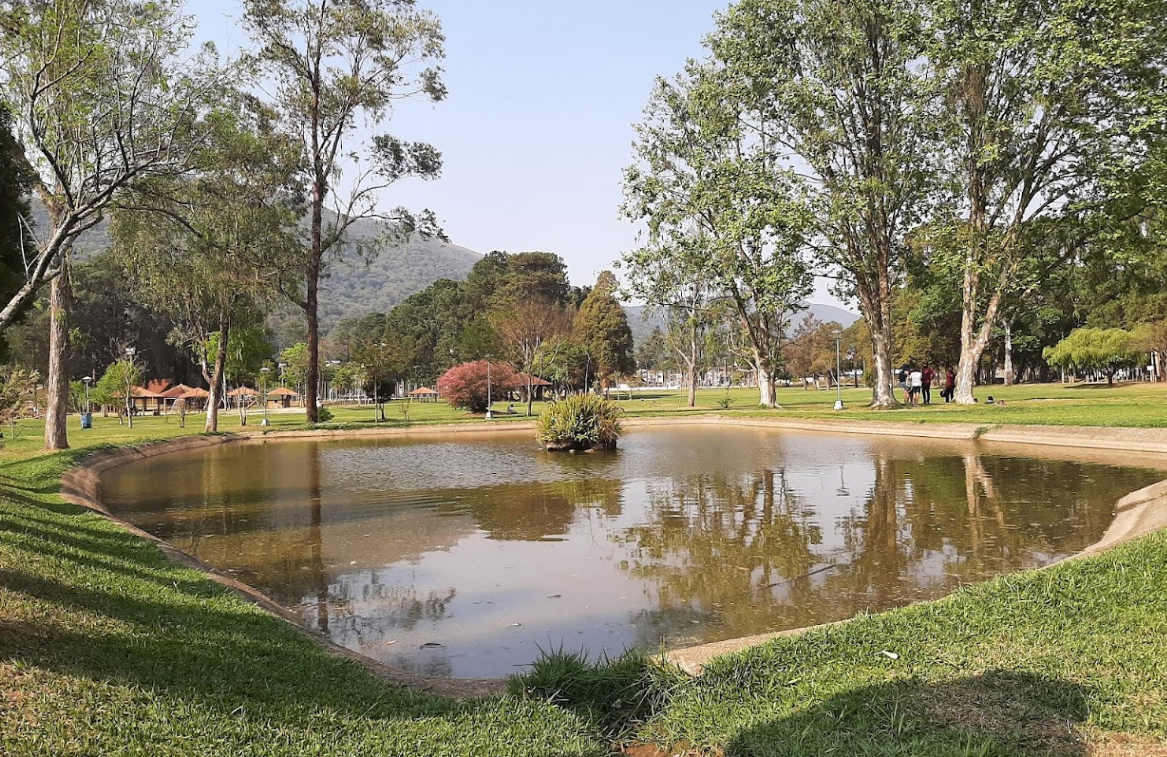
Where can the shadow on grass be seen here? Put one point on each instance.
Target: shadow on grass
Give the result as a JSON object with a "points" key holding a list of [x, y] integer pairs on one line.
{"points": [[995, 714]]}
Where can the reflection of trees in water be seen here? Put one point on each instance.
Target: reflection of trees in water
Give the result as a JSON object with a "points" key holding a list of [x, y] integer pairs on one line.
{"points": [[723, 550], [367, 611], [738, 554], [536, 511]]}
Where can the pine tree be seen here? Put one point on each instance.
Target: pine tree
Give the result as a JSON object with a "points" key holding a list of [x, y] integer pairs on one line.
{"points": [[601, 326]]}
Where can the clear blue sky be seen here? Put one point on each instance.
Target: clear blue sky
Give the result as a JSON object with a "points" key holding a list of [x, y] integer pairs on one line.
{"points": [[538, 124]]}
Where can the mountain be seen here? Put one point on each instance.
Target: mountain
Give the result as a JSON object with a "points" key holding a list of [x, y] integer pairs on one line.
{"points": [[642, 323], [354, 286]]}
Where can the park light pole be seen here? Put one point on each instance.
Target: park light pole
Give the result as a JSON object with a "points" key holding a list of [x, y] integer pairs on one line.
{"points": [[263, 390], [838, 369], [130, 353], [87, 416], [489, 415]]}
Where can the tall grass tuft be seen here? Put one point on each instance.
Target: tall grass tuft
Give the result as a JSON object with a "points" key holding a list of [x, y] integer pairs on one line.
{"points": [[616, 695], [579, 423]]}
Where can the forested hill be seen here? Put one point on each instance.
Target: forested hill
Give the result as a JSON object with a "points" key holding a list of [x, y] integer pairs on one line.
{"points": [[353, 287]]}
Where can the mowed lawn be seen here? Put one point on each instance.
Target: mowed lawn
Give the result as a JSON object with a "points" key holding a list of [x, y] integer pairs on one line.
{"points": [[107, 649]]}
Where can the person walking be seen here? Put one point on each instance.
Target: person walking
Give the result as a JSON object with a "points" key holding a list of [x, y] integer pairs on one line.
{"points": [[915, 385], [949, 385], [927, 375]]}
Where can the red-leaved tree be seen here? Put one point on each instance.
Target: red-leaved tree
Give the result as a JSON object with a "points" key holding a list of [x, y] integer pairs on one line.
{"points": [[465, 385]]}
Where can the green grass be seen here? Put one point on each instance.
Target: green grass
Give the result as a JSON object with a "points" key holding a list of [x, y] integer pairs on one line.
{"points": [[108, 649]]}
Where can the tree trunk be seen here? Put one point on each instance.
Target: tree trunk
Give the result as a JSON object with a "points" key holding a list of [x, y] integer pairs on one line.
{"points": [[530, 394], [57, 382], [883, 393], [766, 395], [216, 397], [693, 368], [1008, 353]]}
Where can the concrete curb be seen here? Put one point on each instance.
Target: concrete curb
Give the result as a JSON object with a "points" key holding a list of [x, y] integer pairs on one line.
{"points": [[1138, 514]]}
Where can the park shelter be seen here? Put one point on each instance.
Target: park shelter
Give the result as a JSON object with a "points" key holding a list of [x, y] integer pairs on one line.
{"points": [[240, 397], [142, 400], [537, 384], [283, 396], [195, 397], [423, 394], [174, 394]]}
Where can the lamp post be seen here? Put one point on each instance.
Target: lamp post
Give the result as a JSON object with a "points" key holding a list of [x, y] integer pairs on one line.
{"points": [[838, 369], [87, 416], [489, 415], [263, 390], [130, 353]]}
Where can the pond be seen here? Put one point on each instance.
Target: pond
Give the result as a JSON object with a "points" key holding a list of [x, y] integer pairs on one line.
{"points": [[466, 556]]}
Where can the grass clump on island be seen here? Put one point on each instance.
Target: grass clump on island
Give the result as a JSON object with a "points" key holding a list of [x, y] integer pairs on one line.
{"points": [[580, 423]]}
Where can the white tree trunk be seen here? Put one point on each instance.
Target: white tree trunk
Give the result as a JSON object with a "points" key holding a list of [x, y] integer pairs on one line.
{"points": [[1008, 354]]}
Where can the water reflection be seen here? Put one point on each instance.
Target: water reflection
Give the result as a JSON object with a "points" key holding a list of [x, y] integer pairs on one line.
{"points": [[464, 558]]}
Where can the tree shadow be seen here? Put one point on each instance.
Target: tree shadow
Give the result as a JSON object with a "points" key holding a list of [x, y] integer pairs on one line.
{"points": [[994, 714]]}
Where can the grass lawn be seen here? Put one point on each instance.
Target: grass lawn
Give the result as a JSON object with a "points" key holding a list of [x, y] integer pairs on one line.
{"points": [[108, 649]]}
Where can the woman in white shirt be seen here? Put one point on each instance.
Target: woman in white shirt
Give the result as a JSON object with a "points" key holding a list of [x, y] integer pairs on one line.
{"points": [[915, 386]]}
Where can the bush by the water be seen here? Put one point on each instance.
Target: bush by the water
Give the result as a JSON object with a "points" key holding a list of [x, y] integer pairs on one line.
{"points": [[580, 422]]}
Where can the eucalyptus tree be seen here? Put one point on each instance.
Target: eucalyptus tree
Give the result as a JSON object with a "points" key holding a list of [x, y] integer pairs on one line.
{"points": [[338, 64], [1047, 101], [103, 93], [836, 92], [725, 221], [210, 248]]}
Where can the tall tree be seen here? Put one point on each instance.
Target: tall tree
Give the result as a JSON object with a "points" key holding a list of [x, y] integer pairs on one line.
{"points": [[99, 103], [601, 327], [524, 326], [725, 221], [1047, 99], [209, 248], [336, 63], [836, 91], [15, 181]]}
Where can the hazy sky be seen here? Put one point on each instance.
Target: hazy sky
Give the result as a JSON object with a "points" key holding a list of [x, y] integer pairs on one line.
{"points": [[538, 124]]}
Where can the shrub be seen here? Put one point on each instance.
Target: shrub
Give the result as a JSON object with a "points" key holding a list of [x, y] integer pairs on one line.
{"points": [[464, 385], [323, 415], [580, 422]]}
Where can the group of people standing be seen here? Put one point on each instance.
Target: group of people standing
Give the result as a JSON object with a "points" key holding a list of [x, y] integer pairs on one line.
{"points": [[916, 382]]}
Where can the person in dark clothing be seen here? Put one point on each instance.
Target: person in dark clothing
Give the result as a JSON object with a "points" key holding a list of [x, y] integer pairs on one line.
{"points": [[949, 386], [928, 375]]}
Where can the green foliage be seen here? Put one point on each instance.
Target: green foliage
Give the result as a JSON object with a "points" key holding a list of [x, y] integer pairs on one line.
{"points": [[580, 422], [115, 385], [601, 327], [16, 388], [1102, 350], [295, 365]]}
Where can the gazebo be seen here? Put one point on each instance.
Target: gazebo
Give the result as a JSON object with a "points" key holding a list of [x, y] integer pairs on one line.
{"points": [[174, 393], [423, 394], [241, 394], [140, 400], [196, 396], [537, 384], [283, 396]]}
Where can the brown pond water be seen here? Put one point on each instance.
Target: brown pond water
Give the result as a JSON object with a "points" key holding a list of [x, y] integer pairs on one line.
{"points": [[465, 557]]}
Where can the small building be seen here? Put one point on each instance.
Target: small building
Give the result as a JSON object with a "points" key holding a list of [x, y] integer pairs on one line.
{"points": [[538, 385], [282, 396], [423, 394], [195, 398]]}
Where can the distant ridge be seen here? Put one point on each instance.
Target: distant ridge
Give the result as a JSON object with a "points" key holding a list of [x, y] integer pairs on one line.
{"points": [[641, 327]]}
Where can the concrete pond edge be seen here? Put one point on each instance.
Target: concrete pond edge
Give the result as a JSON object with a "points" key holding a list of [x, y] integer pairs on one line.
{"points": [[1138, 514]]}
